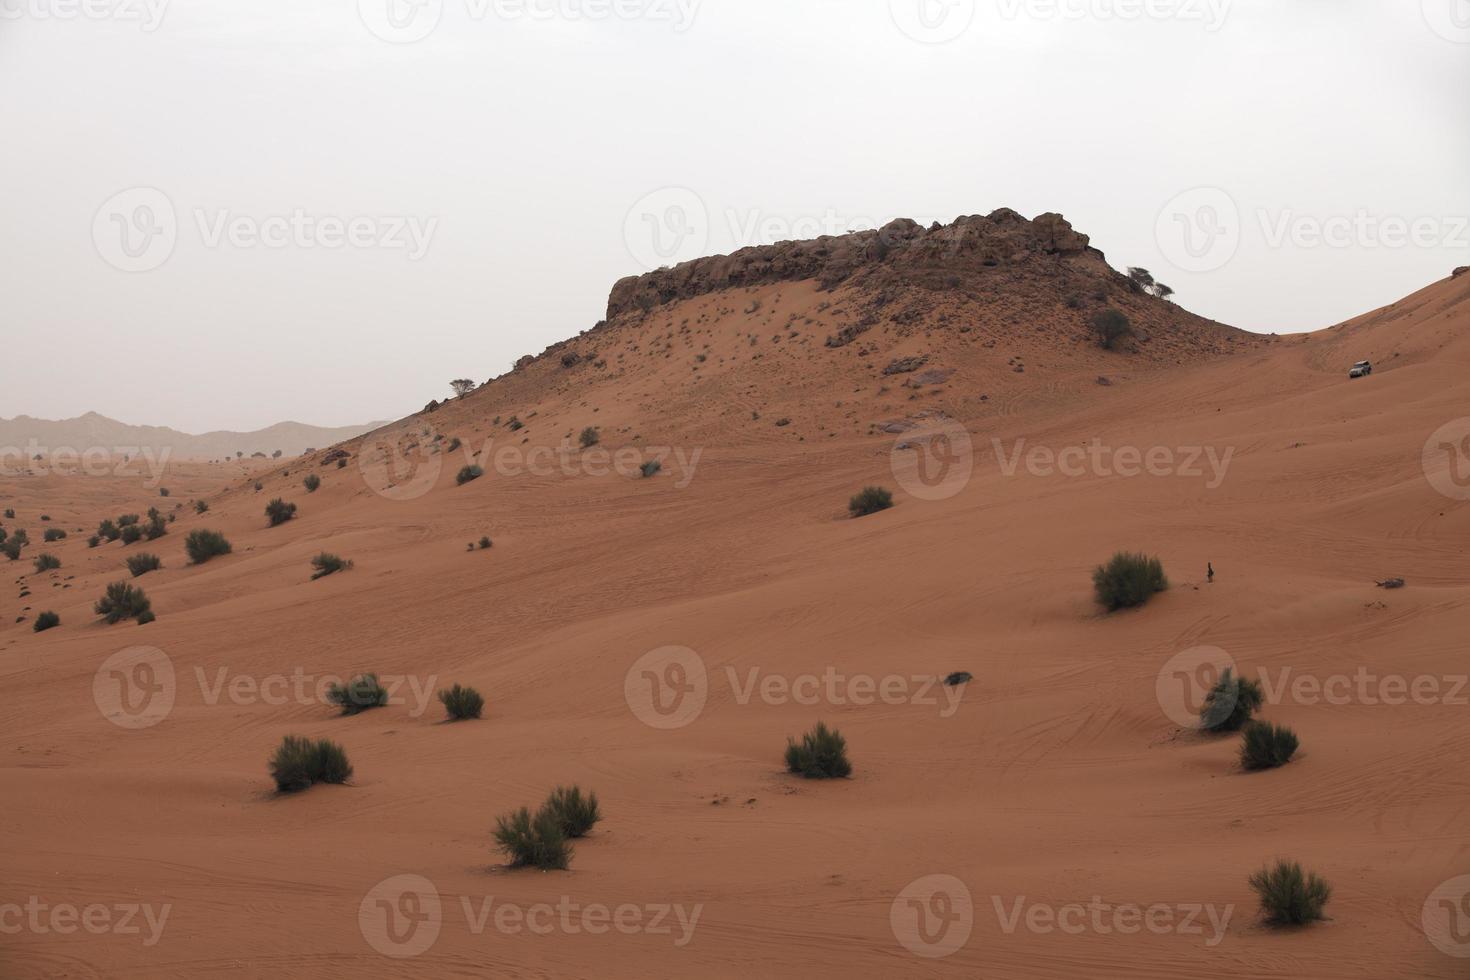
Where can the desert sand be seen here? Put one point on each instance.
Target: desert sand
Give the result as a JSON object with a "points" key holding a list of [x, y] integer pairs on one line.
{"points": [[1056, 778]]}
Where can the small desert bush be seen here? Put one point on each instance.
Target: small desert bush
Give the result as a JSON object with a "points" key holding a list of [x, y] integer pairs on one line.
{"points": [[46, 562], [131, 534], [53, 534], [589, 438], [163, 491], [10, 513], [575, 812], [127, 520], [311, 483], [650, 468], [94, 541], [300, 762], [958, 677], [821, 754], [123, 601], [536, 842], [46, 621], [142, 564], [11, 548], [462, 703], [1230, 703], [1266, 746], [203, 545], [1110, 326], [108, 530], [259, 486], [327, 563], [200, 506], [468, 473], [1128, 580], [359, 694], [1290, 896], [279, 512], [869, 500]]}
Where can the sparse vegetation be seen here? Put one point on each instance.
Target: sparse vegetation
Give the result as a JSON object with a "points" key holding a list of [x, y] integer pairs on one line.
{"points": [[327, 563], [575, 812], [1230, 703], [1266, 746], [279, 512], [123, 601], [1110, 326], [485, 543], [821, 754], [52, 534], [131, 534], [536, 842], [144, 563], [163, 491], [1290, 896], [108, 530], [201, 506], [1128, 580], [11, 548], [650, 468], [47, 620], [462, 387], [94, 541], [589, 438], [312, 483], [870, 500], [203, 545], [299, 763], [46, 562], [957, 678], [462, 703], [360, 694], [468, 473]]}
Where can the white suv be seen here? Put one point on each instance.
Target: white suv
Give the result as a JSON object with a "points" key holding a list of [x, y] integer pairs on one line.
{"points": [[1361, 369]]}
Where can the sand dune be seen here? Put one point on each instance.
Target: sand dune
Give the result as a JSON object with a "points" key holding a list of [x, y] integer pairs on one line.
{"points": [[1052, 790]]}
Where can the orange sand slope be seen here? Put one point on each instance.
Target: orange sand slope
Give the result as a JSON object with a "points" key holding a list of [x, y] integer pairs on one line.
{"points": [[1056, 817]]}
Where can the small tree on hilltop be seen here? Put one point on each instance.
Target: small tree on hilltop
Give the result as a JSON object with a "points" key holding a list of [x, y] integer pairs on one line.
{"points": [[462, 387], [1142, 279]]}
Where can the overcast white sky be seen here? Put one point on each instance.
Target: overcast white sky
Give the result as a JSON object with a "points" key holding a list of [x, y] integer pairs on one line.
{"points": [[473, 175]]}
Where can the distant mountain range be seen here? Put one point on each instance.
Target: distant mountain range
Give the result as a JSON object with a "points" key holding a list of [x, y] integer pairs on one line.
{"points": [[91, 431]]}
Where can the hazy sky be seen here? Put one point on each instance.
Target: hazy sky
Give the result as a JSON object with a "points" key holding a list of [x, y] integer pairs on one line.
{"points": [[227, 213]]}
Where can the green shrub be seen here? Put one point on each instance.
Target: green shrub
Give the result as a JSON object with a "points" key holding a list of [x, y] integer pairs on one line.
{"points": [[46, 621], [131, 534], [533, 842], [145, 617], [200, 506], [869, 501], [10, 513], [327, 563], [468, 473], [203, 545], [454, 444], [94, 541], [577, 814], [279, 512], [1128, 580], [142, 564], [312, 482], [11, 548], [122, 601], [163, 491], [1110, 326], [127, 520], [46, 562], [1266, 746], [589, 437], [462, 703], [650, 468], [299, 763], [486, 543], [958, 677], [52, 534], [1289, 896], [108, 530], [1230, 703], [259, 486], [358, 695], [821, 754]]}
